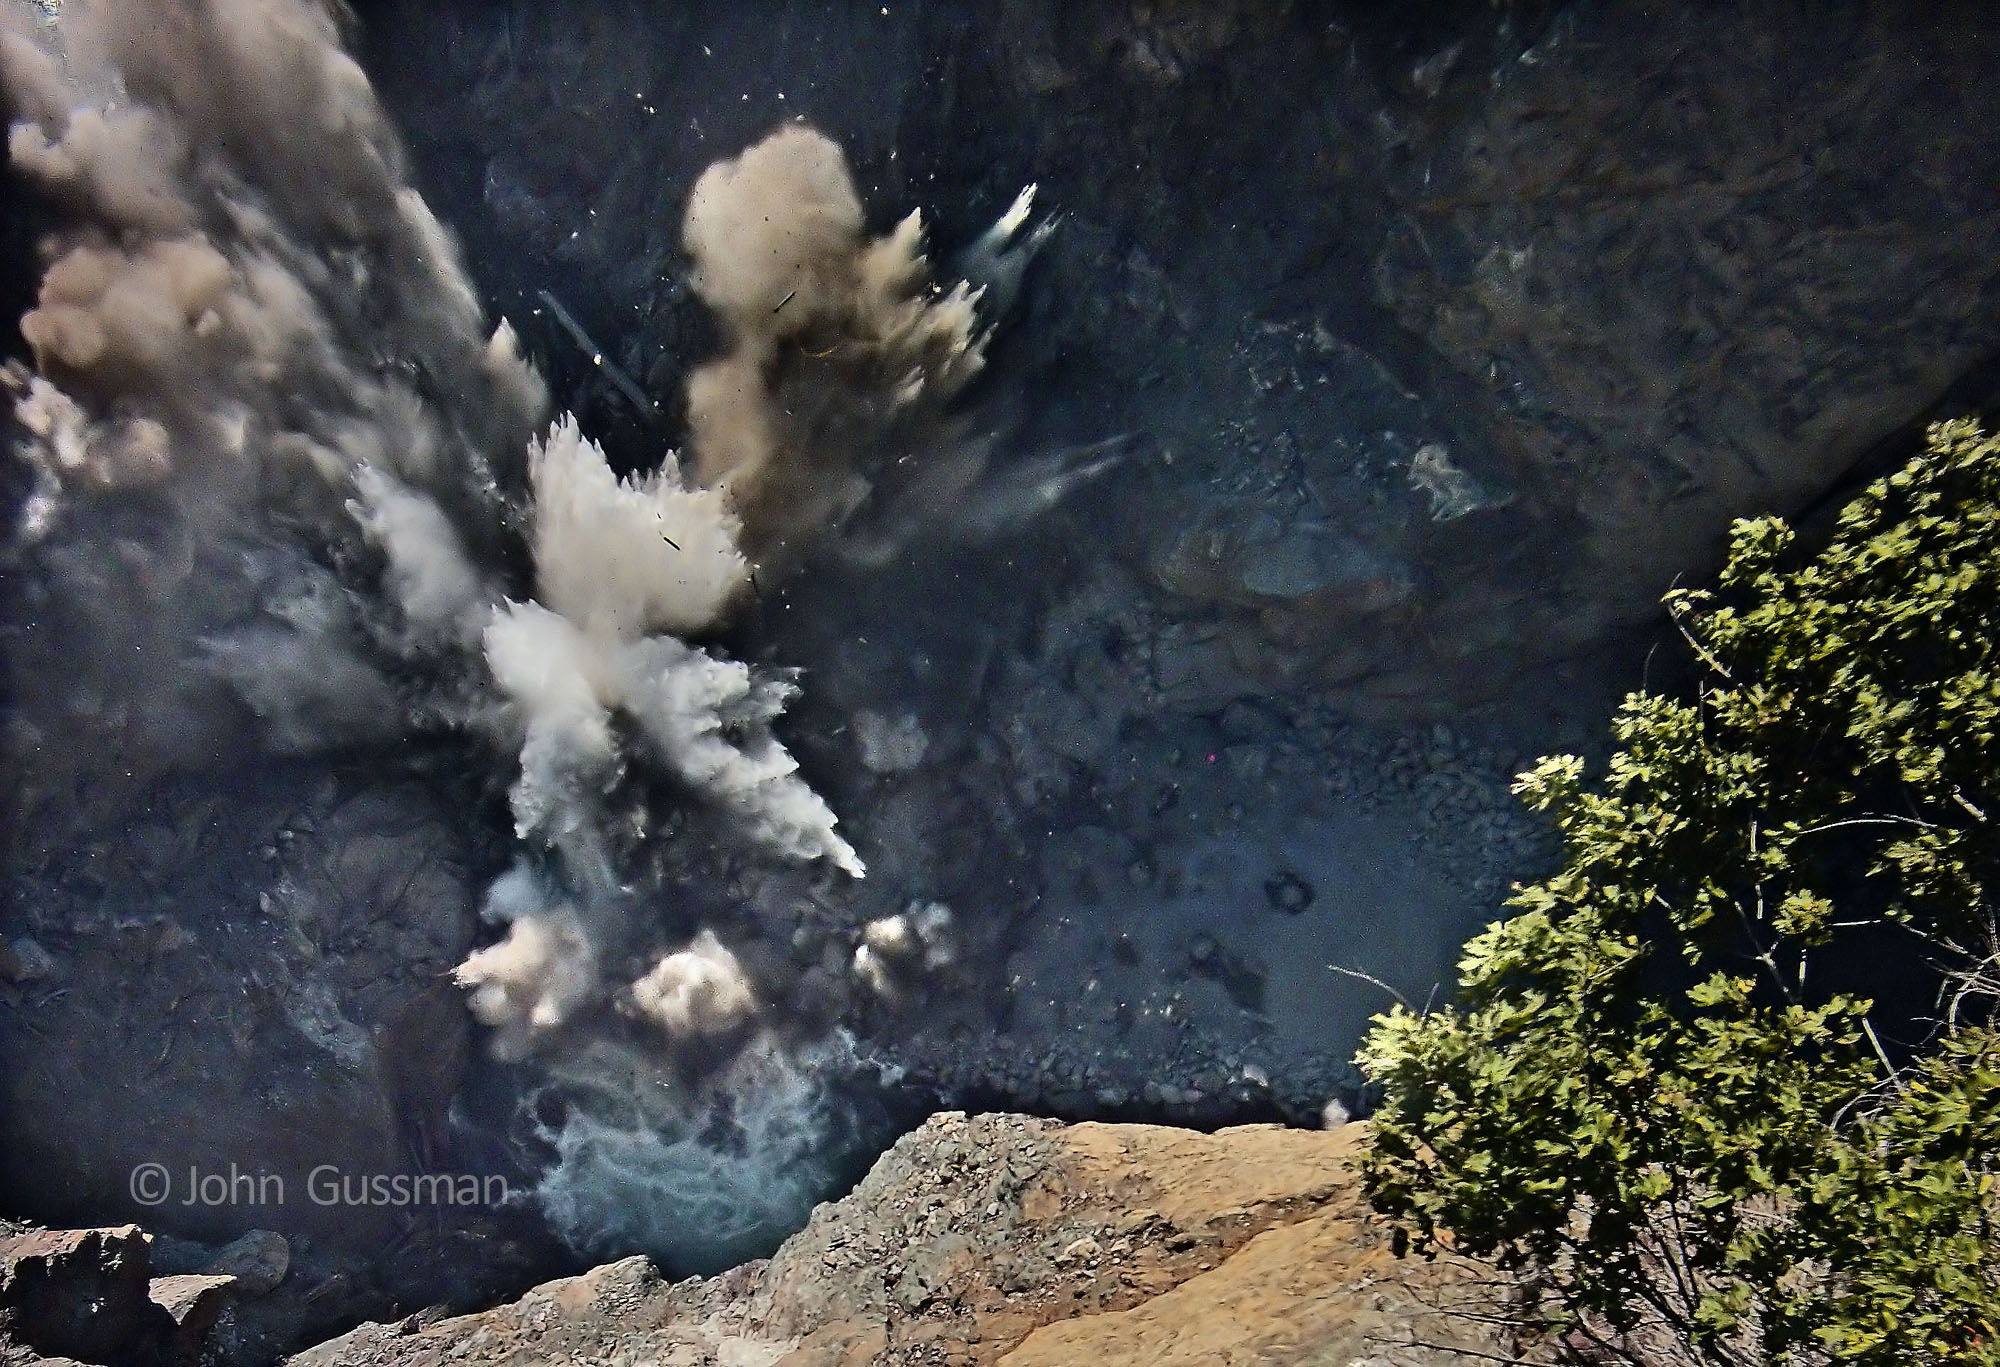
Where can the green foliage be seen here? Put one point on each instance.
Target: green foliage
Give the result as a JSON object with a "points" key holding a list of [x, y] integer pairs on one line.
{"points": [[1651, 1098]]}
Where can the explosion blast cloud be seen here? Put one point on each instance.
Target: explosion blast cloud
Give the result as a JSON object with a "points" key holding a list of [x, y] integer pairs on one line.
{"points": [[283, 466]]}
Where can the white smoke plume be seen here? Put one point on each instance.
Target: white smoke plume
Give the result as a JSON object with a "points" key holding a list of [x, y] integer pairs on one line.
{"points": [[283, 467], [708, 720], [618, 564], [529, 984], [696, 993], [895, 950], [632, 557], [553, 675], [430, 576]]}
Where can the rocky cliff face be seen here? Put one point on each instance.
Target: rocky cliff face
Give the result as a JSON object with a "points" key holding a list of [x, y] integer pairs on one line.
{"points": [[100, 1296], [1457, 337], [1000, 1239], [254, 983]]}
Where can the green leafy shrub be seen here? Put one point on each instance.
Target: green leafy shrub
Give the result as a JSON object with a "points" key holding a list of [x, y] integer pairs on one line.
{"points": [[1663, 1098]]}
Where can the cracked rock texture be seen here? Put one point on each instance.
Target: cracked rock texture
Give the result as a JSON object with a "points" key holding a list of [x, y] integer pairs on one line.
{"points": [[1004, 1239]]}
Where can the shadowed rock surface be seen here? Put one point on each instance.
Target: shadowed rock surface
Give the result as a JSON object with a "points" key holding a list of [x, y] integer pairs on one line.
{"points": [[249, 987], [1458, 334], [91, 1295]]}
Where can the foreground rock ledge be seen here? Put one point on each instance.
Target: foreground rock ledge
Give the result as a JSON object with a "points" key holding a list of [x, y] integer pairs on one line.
{"points": [[1005, 1239]]}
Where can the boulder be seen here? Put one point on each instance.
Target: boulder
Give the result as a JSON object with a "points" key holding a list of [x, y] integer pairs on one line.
{"points": [[257, 1262], [194, 1302], [81, 1293]]}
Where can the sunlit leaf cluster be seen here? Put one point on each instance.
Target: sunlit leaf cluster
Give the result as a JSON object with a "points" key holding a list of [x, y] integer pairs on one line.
{"points": [[1726, 1087]]}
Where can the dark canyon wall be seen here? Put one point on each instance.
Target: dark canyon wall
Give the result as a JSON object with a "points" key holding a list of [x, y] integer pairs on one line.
{"points": [[1632, 270]]}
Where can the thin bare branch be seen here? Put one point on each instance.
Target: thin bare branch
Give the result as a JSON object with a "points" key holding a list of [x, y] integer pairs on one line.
{"points": [[1372, 980]]}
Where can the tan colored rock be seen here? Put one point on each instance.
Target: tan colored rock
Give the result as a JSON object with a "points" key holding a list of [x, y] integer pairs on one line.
{"points": [[1302, 1293], [195, 1301], [1005, 1239], [78, 1292]]}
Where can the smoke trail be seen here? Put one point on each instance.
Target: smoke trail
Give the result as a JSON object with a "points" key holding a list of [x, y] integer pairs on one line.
{"points": [[282, 467]]}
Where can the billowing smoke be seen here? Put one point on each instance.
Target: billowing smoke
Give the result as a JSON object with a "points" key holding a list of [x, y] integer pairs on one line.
{"points": [[834, 339], [628, 558], [247, 312], [529, 984], [284, 469], [895, 950], [696, 993], [618, 566]]}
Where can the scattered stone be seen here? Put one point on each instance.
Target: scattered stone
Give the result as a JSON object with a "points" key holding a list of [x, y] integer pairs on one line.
{"points": [[195, 1301], [1001, 1238], [259, 1262], [1084, 1250]]}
